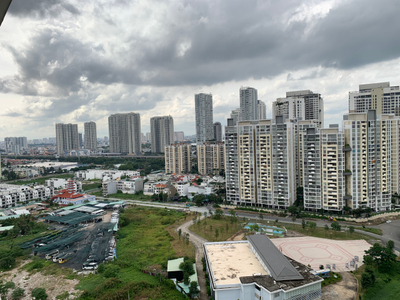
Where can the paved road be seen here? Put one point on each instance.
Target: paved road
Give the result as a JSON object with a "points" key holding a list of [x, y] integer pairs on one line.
{"points": [[197, 242]]}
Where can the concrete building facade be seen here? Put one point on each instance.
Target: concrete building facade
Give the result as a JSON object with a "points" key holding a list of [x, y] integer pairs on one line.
{"points": [[217, 132], [300, 105], [262, 110], [67, 138], [178, 158], [204, 117], [125, 133], [90, 135], [162, 133], [382, 97], [248, 104], [210, 158]]}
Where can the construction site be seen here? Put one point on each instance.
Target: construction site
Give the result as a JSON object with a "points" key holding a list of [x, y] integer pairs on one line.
{"points": [[80, 236]]}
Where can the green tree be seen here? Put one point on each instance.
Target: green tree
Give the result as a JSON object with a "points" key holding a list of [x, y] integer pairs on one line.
{"points": [[17, 294], [39, 293], [218, 214], [193, 290], [303, 224], [312, 225], [261, 216], [368, 260], [179, 233], [326, 227], [216, 233], [199, 200], [351, 229], [294, 218]]}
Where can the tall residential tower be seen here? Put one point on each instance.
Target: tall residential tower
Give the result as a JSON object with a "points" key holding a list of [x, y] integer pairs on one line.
{"points": [[125, 133], [90, 135], [162, 133], [67, 137], [204, 117]]}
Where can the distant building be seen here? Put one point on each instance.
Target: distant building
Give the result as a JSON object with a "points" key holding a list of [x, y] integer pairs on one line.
{"points": [[204, 117], [11, 195], [71, 196], [90, 135], [235, 115], [15, 144], [382, 97], [248, 104], [67, 138], [81, 144], [179, 136], [125, 133], [210, 158], [177, 158], [162, 133], [262, 110], [300, 105], [217, 132]]}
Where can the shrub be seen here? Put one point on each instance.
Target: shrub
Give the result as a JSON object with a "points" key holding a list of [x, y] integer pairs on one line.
{"points": [[17, 294], [112, 283], [39, 294], [9, 285], [111, 271]]}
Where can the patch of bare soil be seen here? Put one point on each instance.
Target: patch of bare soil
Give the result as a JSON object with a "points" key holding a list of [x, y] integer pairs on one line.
{"points": [[345, 289], [291, 233], [238, 236], [54, 284]]}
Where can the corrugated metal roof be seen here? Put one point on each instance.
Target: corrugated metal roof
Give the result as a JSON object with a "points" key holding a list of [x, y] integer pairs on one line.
{"points": [[280, 268]]}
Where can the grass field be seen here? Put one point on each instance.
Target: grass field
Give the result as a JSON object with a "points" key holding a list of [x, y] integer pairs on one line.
{"points": [[208, 228], [41, 180], [225, 231], [386, 286], [369, 229], [144, 243]]}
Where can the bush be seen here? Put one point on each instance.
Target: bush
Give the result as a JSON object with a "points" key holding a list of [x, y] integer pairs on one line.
{"points": [[112, 283], [111, 271], [9, 285], [17, 294], [39, 294]]}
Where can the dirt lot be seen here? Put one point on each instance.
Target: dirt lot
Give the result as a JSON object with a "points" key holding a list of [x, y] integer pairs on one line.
{"points": [[345, 289], [54, 285]]}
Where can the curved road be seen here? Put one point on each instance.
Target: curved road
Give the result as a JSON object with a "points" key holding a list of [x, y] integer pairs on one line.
{"points": [[197, 242]]}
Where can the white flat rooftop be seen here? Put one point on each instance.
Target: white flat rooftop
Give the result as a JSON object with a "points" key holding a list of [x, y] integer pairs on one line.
{"points": [[230, 261]]}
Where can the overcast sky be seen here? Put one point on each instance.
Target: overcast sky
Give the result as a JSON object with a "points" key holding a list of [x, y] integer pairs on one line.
{"points": [[76, 61]]}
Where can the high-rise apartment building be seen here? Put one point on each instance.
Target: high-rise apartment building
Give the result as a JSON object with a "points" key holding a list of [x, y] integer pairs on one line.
{"points": [[248, 104], [260, 163], [235, 115], [90, 135], [125, 133], [262, 110], [323, 177], [15, 144], [179, 136], [300, 105], [382, 97], [210, 158], [217, 132], [177, 158], [162, 133], [67, 137], [80, 138], [204, 117]]}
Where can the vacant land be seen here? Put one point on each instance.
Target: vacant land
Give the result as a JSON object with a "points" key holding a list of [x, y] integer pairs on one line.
{"points": [[143, 244], [41, 180], [91, 186], [130, 196], [216, 229]]}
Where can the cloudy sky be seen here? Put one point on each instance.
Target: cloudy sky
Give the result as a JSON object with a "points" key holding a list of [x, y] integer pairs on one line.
{"points": [[77, 61]]}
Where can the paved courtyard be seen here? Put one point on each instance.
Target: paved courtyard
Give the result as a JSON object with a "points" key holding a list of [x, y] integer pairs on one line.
{"points": [[317, 251]]}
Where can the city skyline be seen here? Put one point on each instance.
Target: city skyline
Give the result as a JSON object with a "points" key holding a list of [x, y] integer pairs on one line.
{"points": [[55, 67]]}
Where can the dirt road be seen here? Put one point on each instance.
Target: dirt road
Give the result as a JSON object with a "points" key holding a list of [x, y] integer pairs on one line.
{"points": [[345, 289], [198, 242]]}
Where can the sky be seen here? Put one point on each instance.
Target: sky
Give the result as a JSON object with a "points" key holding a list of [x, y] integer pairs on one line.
{"points": [[69, 61]]}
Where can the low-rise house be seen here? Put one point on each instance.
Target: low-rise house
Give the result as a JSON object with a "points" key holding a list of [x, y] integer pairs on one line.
{"points": [[11, 195]]}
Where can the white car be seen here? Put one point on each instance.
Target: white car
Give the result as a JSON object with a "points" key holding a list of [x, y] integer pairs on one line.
{"points": [[388, 221]]}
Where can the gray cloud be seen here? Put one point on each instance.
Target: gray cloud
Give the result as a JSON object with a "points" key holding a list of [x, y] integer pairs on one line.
{"points": [[41, 8]]}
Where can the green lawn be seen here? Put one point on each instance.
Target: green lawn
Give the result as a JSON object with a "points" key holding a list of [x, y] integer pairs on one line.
{"points": [[369, 229], [143, 244], [41, 180]]}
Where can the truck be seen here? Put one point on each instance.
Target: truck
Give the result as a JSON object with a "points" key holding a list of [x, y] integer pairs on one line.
{"points": [[64, 258]]}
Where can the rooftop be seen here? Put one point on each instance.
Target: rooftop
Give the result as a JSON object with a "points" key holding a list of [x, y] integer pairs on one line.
{"points": [[231, 260]]}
